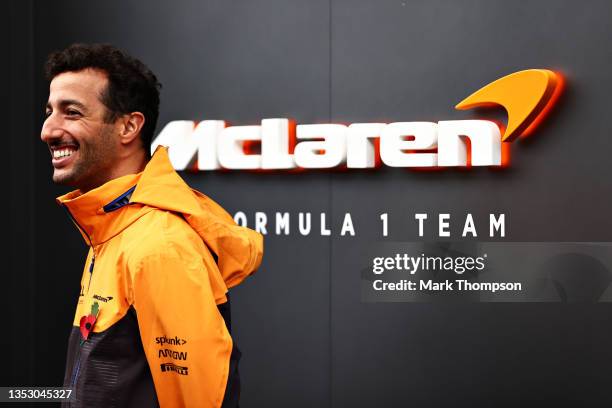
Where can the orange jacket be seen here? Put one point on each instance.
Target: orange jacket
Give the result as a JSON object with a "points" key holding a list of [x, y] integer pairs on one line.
{"points": [[162, 257]]}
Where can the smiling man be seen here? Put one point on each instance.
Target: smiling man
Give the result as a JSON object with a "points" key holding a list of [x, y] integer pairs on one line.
{"points": [[86, 156], [152, 324]]}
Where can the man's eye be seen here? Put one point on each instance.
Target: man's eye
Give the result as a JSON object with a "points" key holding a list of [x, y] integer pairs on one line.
{"points": [[71, 112], [47, 114]]}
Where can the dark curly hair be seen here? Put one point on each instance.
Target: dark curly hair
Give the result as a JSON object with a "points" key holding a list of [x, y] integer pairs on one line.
{"points": [[132, 87]]}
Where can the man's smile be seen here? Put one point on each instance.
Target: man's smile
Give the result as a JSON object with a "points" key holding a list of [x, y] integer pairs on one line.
{"points": [[63, 155]]}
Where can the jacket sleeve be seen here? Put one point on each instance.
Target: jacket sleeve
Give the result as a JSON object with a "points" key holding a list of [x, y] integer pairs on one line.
{"points": [[184, 336]]}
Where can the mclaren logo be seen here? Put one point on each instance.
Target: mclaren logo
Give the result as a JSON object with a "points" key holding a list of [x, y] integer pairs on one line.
{"points": [[279, 144]]}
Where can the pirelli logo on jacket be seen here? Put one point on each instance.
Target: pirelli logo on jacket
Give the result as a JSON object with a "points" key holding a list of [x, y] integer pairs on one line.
{"points": [[171, 367]]}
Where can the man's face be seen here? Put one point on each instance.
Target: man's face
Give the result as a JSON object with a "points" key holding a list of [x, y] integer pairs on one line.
{"points": [[83, 146]]}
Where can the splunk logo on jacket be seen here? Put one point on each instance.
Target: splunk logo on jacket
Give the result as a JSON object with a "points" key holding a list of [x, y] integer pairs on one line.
{"points": [[278, 144]]}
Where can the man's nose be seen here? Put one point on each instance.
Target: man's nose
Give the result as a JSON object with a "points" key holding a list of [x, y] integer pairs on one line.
{"points": [[51, 129]]}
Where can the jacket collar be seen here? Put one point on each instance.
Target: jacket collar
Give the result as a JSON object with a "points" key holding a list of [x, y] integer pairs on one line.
{"points": [[88, 212], [105, 211]]}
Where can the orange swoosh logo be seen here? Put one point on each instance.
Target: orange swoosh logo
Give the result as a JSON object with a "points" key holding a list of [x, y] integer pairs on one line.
{"points": [[527, 96]]}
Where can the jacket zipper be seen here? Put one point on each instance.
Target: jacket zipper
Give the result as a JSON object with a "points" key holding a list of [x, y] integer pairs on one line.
{"points": [[91, 268], [75, 369], [93, 258], [77, 364]]}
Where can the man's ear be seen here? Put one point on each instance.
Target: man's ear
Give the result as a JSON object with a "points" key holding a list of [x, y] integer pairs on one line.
{"points": [[132, 125]]}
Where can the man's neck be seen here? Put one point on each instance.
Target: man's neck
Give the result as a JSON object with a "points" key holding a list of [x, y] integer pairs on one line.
{"points": [[123, 168]]}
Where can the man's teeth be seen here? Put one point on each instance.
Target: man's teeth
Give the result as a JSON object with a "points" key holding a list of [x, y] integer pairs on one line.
{"points": [[58, 154]]}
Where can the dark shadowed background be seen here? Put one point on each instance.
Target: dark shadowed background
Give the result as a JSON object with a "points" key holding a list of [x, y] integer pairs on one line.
{"points": [[307, 339]]}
